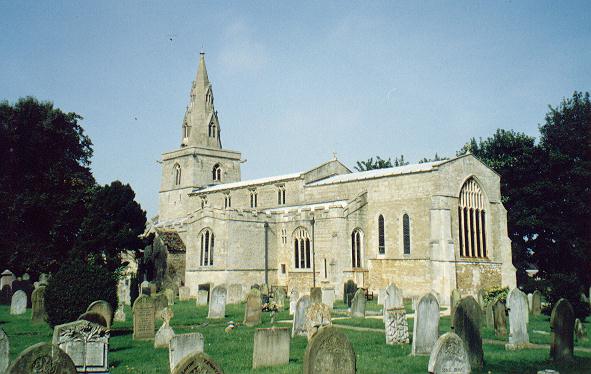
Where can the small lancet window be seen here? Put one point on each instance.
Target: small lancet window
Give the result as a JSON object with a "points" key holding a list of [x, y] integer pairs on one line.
{"points": [[356, 250], [281, 195], [177, 174], [227, 201], [207, 244], [253, 198], [212, 130], [217, 173]]}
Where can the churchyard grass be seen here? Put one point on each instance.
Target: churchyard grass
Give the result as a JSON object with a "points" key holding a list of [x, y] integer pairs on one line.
{"points": [[234, 351]]}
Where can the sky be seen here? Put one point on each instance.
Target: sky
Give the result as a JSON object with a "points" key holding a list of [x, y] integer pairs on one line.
{"points": [[294, 81]]}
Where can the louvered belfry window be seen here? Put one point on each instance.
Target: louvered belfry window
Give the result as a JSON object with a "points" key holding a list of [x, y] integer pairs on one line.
{"points": [[406, 234], [472, 220], [381, 237]]}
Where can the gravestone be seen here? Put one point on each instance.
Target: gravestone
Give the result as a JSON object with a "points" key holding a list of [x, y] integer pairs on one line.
{"points": [[234, 294], [426, 325], [123, 291], [381, 296], [143, 318], [18, 304], [328, 296], [315, 295], [396, 326], [160, 303], [165, 332], [202, 297], [6, 278], [4, 351], [530, 299], [119, 314], [489, 315], [94, 318], [26, 286], [103, 308], [38, 313], [480, 298], [86, 343], [467, 327], [217, 304], [518, 315], [562, 321], [145, 288], [500, 318], [317, 315], [393, 297], [197, 363], [358, 304], [454, 300], [184, 345], [580, 331], [252, 309], [279, 298], [536, 303], [299, 316], [329, 351], [271, 347], [184, 293], [169, 293], [42, 358], [349, 290], [293, 300], [5, 295], [449, 356]]}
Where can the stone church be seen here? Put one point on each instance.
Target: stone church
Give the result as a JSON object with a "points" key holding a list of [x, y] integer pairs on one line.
{"points": [[427, 227]]}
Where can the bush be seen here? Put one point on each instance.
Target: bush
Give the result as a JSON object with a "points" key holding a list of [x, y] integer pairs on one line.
{"points": [[492, 294], [74, 287], [566, 286]]}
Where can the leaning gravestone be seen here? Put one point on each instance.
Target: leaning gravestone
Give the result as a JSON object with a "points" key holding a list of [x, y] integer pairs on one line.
{"points": [[328, 296], [396, 326], [562, 323], [197, 363], [426, 325], [279, 298], [299, 316], [449, 356], [38, 313], [202, 297], [293, 300], [165, 332], [329, 351], [182, 346], [143, 318], [252, 309], [86, 343], [217, 304], [234, 293], [317, 315], [358, 304], [103, 308], [4, 351], [500, 318], [393, 297], [518, 316], [42, 358], [18, 305], [536, 303], [315, 295], [271, 347], [454, 300], [467, 327]]}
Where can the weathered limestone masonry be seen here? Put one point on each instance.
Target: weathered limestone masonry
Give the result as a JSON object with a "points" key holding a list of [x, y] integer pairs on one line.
{"points": [[430, 227]]}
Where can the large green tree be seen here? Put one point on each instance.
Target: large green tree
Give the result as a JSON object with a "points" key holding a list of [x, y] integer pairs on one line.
{"points": [[44, 176]]}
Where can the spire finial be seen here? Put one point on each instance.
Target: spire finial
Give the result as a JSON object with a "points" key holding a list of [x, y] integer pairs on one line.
{"points": [[334, 155]]}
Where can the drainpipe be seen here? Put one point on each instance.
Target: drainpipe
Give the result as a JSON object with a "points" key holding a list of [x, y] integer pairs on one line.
{"points": [[313, 256], [266, 254]]}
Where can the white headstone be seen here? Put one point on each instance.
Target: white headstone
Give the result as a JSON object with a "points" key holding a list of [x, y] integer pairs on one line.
{"points": [[393, 297], [358, 304], [18, 303], [328, 296], [299, 317], [217, 303], [518, 317], [426, 325], [86, 343], [293, 300], [396, 326], [449, 356], [202, 296], [165, 332], [182, 346]]}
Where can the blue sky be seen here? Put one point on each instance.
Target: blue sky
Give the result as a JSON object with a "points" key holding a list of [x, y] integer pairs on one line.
{"points": [[294, 81]]}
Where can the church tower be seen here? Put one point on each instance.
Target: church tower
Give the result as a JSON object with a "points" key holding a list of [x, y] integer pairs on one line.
{"points": [[200, 161]]}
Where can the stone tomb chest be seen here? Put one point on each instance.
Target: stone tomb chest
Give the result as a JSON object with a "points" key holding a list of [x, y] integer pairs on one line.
{"points": [[86, 343]]}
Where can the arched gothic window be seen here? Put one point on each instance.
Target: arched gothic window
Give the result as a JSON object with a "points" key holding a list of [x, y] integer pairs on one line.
{"points": [[207, 244], [381, 237], [217, 173], [472, 220], [177, 174], [356, 248], [302, 256], [406, 234]]}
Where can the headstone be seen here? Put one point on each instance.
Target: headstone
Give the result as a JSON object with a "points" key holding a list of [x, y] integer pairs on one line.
{"points": [[381, 296], [103, 308], [317, 315], [580, 331], [279, 298], [530, 299], [234, 293], [160, 303], [184, 293], [480, 296], [449, 356], [329, 351], [293, 300], [467, 327], [396, 326], [42, 358], [299, 316], [165, 332], [489, 315], [86, 343], [536, 303], [26, 286], [145, 288], [4, 351], [252, 309], [562, 322], [18, 304], [315, 295], [123, 291], [328, 296], [393, 297], [202, 297], [120, 314], [43, 279], [143, 318], [38, 313], [184, 345], [349, 290], [6, 278], [169, 293], [197, 363], [358, 304], [426, 325], [454, 300], [518, 314], [93, 317], [217, 304], [271, 347], [500, 318], [5, 294]]}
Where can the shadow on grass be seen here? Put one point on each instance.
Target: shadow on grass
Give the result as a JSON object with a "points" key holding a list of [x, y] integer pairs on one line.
{"points": [[121, 332]]}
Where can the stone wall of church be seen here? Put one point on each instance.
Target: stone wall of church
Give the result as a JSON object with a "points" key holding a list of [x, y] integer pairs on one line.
{"points": [[475, 275]]}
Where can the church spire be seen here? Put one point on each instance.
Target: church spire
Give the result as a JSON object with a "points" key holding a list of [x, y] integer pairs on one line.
{"points": [[201, 127]]}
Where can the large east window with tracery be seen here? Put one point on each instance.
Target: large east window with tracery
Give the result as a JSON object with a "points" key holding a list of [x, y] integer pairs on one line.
{"points": [[472, 220]]}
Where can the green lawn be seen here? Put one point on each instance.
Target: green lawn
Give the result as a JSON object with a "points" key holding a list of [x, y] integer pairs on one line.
{"points": [[234, 352]]}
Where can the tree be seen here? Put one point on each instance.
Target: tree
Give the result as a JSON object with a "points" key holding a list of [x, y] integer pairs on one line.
{"points": [[112, 225], [435, 158], [370, 164], [44, 163]]}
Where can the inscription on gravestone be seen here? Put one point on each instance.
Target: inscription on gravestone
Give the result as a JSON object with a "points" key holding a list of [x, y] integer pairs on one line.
{"points": [[143, 318]]}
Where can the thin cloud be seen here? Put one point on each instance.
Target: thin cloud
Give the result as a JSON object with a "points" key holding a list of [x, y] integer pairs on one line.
{"points": [[241, 51]]}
